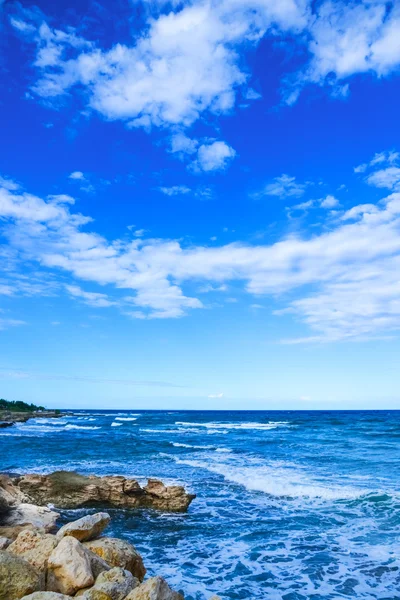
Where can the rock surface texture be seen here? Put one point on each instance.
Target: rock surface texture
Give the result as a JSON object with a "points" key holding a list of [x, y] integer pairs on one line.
{"points": [[67, 489], [86, 528], [17, 577], [34, 547], [118, 553], [155, 588], [69, 568]]}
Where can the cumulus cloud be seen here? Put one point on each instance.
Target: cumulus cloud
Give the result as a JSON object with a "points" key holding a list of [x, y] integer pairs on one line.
{"points": [[175, 190], [341, 284], [383, 170], [215, 156]]}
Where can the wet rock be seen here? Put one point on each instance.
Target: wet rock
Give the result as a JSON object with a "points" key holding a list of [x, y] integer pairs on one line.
{"points": [[155, 588], [66, 489], [86, 528], [34, 547], [118, 553], [40, 517], [4, 542], [69, 568], [17, 577]]}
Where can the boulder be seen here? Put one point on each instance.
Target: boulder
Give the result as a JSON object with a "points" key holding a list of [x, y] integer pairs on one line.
{"points": [[17, 577], [46, 596], [93, 594], [115, 584], [118, 553], [69, 568], [34, 547], [13, 532], [86, 528], [67, 489], [97, 564], [39, 517], [155, 588], [4, 542]]}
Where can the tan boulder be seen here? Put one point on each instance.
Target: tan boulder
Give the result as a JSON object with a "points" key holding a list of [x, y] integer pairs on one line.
{"points": [[69, 568], [86, 528], [93, 594], [155, 588], [117, 583], [34, 547], [17, 577], [97, 564], [118, 553], [46, 596], [12, 532]]}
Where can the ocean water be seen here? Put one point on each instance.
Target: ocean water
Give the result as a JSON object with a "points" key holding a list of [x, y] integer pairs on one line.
{"points": [[290, 505]]}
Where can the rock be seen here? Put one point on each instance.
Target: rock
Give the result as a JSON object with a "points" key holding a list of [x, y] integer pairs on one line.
{"points": [[67, 489], [155, 588], [34, 547], [93, 594], [13, 532], [46, 596], [117, 583], [97, 564], [17, 577], [118, 553], [86, 528], [172, 498], [38, 516], [69, 568], [4, 542]]}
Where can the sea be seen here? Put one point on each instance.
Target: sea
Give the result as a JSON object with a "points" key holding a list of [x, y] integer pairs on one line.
{"points": [[290, 505]]}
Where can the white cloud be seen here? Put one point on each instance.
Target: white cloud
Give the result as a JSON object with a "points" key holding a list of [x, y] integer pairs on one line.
{"points": [[215, 156], [7, 323], [385, 178], [78, 176], [91, 298], [329, 201], [175, 190], [342, 283], [349, 38], [220, 395], [283, 186], [384, 171]]}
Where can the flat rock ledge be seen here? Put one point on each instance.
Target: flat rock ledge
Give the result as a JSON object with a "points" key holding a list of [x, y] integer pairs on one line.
{"points": [[43, 566], [68, 489]]}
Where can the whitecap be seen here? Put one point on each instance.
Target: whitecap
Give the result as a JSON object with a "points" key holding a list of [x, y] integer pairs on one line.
{"points": [[80, 427], [219, 425], [116, 424], [125, 418]]}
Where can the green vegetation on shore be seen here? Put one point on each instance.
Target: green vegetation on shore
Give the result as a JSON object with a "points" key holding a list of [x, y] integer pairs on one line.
{"points": [[18, 406]]}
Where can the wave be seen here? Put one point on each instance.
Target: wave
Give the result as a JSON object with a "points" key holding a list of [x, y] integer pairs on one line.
{"points": [[216, 426], [276, 482], [80, 427], [179, 445], [126, 418], [116, 424]]}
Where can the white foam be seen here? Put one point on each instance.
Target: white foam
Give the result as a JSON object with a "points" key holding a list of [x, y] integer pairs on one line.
{"points": [[179, 445], [116, 424], [216, 426], [278, 482], [80, 427], [126, 418]]}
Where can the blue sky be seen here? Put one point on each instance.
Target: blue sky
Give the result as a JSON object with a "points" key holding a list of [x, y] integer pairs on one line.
{"points": [[200, 203]]}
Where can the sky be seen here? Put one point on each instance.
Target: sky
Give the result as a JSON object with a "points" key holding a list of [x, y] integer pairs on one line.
{"points": [[200, 204]]}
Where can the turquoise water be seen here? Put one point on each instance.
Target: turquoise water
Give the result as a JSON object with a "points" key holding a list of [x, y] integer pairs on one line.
{"points": [[290, 505]]}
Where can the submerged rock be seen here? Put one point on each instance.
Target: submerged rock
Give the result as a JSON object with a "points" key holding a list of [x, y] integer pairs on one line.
{"points": [[34, 547], [66, 489], [118, 553], [69, 568], [17, 577], [86, 528], [155, 588]]}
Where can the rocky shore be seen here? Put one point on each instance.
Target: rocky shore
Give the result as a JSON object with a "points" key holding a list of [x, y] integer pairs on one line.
{"points": [[9, 417], [39, 562]]}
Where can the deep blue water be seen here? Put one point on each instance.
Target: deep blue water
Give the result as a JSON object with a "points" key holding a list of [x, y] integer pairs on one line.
{"points": [[290, 505]]}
